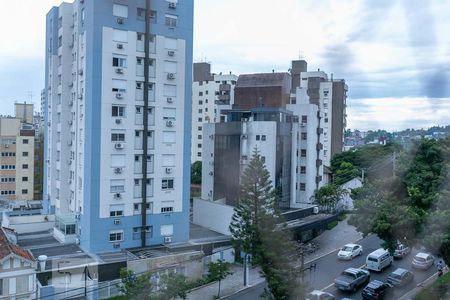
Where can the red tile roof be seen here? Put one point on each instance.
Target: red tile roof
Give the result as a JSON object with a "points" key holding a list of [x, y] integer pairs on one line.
{"points": [[8, 248]]}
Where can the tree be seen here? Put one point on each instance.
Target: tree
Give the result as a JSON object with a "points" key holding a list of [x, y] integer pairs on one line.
{"points": [[329, 195], [196, 172], [135, 287], [413, 205], [173, 286], [217, 271], [256, 229], [256, 200]]}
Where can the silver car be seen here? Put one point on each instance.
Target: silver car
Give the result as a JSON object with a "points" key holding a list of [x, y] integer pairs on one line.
{"points": [[423, 261]]}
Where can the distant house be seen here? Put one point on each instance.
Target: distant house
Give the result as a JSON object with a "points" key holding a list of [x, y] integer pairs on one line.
{"points": [[346, 202], [17, 269]]}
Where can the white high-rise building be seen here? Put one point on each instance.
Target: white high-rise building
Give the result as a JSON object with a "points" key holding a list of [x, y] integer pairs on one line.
{"points": [[117, 102], [211, 93]]}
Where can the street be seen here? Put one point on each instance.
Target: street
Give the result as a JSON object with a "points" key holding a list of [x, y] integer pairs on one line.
{"points": [[329, 267]]}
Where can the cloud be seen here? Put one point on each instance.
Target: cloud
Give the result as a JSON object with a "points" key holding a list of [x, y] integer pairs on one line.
{"points": [[397, 113]]}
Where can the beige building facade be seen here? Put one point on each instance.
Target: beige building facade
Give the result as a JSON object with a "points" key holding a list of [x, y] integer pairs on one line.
{"points": [[17, 154]]}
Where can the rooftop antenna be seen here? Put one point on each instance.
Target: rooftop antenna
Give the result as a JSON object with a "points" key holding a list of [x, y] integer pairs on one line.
{"points": [[301, 55]]}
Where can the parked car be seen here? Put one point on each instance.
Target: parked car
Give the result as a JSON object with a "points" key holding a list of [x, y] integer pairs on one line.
{"points": [[351, 279], [349, 251], [319, 295], [376, 290], [423, 261], [401, 251], [400, 277], [379, 260]]}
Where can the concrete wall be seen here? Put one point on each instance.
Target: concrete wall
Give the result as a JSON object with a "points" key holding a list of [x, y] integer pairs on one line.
{"points": [[27, 224], [213, 215]]}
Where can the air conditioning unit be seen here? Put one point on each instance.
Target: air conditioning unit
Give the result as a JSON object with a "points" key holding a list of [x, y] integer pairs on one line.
{"points": [[116, 245], [211, 173], [119, 46], [77, 241], [169, 170], [119, 95], [6, 146], [118, 170], [119, 71], [169, 100], [117, 195], [80, 72], [70, 103], [211, 136], [69, 161], [116, 221], [244, 136], [69, 181], [315, 210], [170, 123], [210, 194], [69, 143], [244, 120], [80, 96], [77, 216], [170, 76], [120, 21], [172, 5], [171, 53], [167, 239], [119, 146], [118, 121], [70, 84], [70, 122]]}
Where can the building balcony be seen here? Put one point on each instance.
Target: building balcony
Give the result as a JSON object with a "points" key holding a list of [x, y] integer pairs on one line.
{"points": [[225, 87], [223, 98]]}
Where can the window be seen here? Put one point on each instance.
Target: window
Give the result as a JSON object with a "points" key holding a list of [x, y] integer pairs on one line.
{"points": [[302, 186], [304, 136], [117, 186], [120, 35], [199, 128], [140, 36], [169, 137], [304, 119], [326, 120], [167, 184], [166, 209], [24, 191], [199, 145], [25, 166], [118, 111], [302, 170], [141, 13], [168, 160], [120, 11], [25, 141], [200, 119], [117, 137], [263, 137], [303, 153], [171, 21], [116, 210], [137, 232], [24, 179], [258, 137], [199, 154], [119, 62], [199, 136], [200, 93], [171, 44], [153, 16], [25, 154], [200, 111], [116, 236]]}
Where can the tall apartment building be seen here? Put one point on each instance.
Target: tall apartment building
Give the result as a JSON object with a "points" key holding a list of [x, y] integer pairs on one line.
{"points": [[118, 121], [211, 93], [17, 154], [296, 121]]}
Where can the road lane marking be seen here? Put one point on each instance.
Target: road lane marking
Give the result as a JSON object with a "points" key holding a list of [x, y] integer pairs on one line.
{"points": [[330, 285]]}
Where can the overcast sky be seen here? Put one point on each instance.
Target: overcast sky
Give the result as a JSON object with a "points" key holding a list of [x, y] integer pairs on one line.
{"points": [[394, 54]]}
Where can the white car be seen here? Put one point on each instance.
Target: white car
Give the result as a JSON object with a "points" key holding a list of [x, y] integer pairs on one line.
{"points": [[349, 251], [319, 295]]}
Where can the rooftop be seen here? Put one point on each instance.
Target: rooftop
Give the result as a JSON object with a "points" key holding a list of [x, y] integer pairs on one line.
{"points": [[262, 79], [7, 247]]}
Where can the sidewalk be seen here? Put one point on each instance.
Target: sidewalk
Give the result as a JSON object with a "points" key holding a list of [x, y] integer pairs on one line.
{"points": [[229, 285], [328, 241]]}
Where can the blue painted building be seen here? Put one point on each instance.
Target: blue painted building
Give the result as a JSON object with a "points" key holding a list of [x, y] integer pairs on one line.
{"points": [[118, 102]]}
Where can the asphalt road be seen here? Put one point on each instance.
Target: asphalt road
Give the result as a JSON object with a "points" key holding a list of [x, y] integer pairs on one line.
{"points": [[329, 267]]}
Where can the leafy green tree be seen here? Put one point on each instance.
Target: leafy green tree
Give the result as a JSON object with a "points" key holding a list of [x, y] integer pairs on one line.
{"points": [[329, 195], [135, 287], [347, 171], [217, 271], [256, 200], [173, 286], [196, 172]]}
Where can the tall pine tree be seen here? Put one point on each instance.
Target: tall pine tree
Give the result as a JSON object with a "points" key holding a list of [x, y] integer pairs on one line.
{"points": [[256, 200]]}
